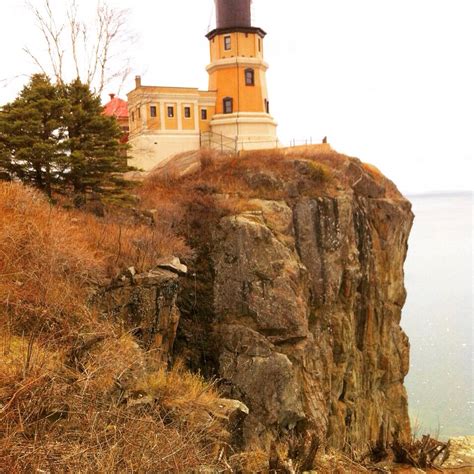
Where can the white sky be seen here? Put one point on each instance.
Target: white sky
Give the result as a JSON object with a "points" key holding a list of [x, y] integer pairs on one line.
{"points": [[388, 81]]}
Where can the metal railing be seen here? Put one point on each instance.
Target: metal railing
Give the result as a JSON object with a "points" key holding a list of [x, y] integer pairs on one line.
{"points": [[217, 141]]}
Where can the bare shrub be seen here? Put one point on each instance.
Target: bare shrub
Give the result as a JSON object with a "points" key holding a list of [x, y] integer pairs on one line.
{"points": [[426, 452]]}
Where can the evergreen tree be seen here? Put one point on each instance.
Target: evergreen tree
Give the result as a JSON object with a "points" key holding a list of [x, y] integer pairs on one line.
{"points": [[58, 139], [31, 135], [96, 158], [4, 158]]}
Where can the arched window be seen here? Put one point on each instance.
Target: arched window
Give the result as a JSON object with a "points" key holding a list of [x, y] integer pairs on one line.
{"points": [[228, 105], [249, 77]]}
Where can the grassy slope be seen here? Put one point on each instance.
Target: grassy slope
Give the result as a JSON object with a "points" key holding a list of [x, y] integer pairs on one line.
{"points": [[60, 412]]}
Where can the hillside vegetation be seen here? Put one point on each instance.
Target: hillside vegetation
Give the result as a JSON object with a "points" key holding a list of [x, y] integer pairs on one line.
{"points": [[60, 409], [62, 357]]}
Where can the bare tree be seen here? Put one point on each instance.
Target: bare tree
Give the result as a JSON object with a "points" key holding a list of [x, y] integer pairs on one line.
{"points": [[93, 51]]}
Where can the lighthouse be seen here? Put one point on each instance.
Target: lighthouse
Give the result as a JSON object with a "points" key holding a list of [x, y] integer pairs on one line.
{"points": [[237, 73], [232, 115]]}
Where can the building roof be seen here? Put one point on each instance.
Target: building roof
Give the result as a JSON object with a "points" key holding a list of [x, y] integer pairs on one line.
{"points": [[116, 107], [236, 29]]}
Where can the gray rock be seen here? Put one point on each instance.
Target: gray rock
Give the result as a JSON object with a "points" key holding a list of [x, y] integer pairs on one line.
{"points": [[304, 326], [146, 306], [226, 408], [172, 264]]}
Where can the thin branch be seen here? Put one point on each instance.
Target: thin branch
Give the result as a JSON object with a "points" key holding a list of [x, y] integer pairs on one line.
{"points": [[89, 49], [75, 28], [35, 60]]}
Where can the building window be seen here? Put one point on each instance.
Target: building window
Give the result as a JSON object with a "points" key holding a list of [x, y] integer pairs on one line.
{"points": [[152, 111], [249, 77], [267, 106], [139, 113], [170, 109], [259, 45], [203, 114], [187, 112], [228, 105], [227, 43], [133, 116]]}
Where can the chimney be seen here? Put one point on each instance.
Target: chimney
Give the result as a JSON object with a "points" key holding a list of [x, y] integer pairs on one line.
{"points": [[233, 14], [138, 81], [111, 96]]}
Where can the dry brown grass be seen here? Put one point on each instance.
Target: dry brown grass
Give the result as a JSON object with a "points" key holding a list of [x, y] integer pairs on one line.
{"points": [[225, 184], [124, 242], [46, 266], [253, 174], [56, 417], [51, 258], [63, 410]]}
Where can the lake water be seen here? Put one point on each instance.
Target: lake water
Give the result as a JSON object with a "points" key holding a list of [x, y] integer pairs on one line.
{"points": [[438, 315]]}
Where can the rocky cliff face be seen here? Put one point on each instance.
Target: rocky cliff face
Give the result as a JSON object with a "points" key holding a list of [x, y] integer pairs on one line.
{"points": [[145, 305], [300, 302]]}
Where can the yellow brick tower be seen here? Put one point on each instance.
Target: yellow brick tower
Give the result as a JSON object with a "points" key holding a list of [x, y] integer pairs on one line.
{"points": [[237, 73]]}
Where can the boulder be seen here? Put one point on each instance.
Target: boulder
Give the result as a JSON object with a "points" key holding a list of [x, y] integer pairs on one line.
{"points": [[173, 264], [145, 304]]}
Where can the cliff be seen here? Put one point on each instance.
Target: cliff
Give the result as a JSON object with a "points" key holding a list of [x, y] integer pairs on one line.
{"points": [[297, 293], [288, 314]]}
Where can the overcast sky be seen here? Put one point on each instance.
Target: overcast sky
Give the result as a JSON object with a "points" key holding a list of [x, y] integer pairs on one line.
{"points": [[388, 81]]}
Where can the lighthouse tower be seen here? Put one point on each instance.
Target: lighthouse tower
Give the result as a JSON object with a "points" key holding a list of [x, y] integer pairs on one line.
{"points": [[237, 73]]}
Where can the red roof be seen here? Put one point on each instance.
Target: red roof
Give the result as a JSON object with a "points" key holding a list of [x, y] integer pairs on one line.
{"points": [[116, 107]]}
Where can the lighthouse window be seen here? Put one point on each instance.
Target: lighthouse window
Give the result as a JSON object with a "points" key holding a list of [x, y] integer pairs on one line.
{"points": [[152, 111], [187, 112], [267, 106], [203, 114], [170, 111], [227, 43], [249, 77], [228, 105]]}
